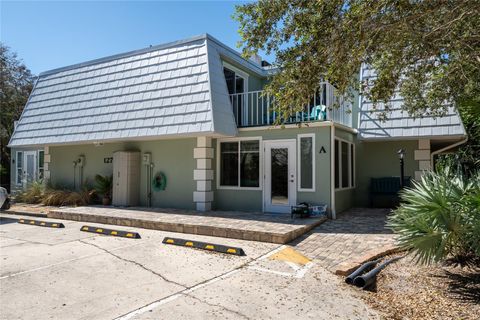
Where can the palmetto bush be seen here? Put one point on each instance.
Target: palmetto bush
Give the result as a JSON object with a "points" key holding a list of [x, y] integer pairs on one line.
{"points": [[439, 218]]}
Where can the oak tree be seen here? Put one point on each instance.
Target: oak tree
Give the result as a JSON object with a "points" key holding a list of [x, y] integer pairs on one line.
{"points": [[429, 50]]}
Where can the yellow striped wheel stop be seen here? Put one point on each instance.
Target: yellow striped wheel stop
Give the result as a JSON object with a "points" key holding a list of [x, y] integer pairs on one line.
{"points": [[110, 232], [204, 246], [41, 223]]}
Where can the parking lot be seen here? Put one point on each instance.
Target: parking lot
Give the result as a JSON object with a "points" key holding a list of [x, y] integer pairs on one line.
{"points": [[65, 273]]}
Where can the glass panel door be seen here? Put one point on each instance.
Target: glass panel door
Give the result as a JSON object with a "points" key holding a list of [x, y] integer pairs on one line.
{"points": [[29, 173], [279, 188], [279, 176]]}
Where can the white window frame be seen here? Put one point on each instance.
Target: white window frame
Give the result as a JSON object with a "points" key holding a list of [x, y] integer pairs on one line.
{"points": [[350, 171], [260, 166], [16, 168], [299, 150], [238, 72], [244, 76]]}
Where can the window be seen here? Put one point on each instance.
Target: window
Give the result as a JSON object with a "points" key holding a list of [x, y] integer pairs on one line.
{"points": [[19, 167], [229, 164], [345, 167], [337, 165], [250, 164], [236, 79], [41, 157], [352, 162], [344, 164], [306, 155], [237, 83], [239, 164]]}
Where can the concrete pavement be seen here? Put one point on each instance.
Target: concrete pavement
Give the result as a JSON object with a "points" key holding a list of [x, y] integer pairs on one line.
{"points": [[50, 273]]}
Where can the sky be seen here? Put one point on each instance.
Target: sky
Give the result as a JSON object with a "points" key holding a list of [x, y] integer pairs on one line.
{"points": [[48, 35]]}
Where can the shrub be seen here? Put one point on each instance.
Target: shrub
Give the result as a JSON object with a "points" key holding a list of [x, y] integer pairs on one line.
{"points": [[103, 185], [67, 197], [33, 194], [56, 195], [439, 218]]}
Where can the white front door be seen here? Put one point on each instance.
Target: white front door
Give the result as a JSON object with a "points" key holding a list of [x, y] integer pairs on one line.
{"points": [[29, 167], [279, 180]]}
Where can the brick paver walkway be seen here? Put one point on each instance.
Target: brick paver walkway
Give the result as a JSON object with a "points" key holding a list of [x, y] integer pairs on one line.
{"points": [[275, 228], [351, 236]]}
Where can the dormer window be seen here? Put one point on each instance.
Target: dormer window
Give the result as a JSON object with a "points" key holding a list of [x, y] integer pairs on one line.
{"points": [[236, 79], [237, 85]]}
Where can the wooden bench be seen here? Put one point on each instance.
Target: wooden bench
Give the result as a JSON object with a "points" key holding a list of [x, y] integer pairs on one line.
{"points": [[384, 191]]}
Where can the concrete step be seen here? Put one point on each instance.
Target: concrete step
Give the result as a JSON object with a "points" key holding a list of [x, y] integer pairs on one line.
{"points": [[25, 213]]}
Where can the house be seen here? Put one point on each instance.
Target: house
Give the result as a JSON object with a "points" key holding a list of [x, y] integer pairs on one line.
{"points": [[191, 114]]}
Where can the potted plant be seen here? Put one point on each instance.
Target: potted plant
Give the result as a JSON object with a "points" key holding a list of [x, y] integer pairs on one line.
{"points": [[104, 186]]}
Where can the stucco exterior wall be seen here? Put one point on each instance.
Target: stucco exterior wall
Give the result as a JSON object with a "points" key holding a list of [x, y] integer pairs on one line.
{"points": [[380, 159], [345, 198], [252, 199], [173, 157], [13, 174]]}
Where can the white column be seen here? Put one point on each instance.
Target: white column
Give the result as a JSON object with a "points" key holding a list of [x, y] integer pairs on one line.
{"points": [[203, 174], [422, 155]]}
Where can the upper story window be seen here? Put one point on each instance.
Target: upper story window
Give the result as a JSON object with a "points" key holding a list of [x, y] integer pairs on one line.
{"points": [[237, 84], [237, 80]]}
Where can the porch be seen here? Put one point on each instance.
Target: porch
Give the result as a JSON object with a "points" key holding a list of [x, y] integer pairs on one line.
{"points": [[273, 228]]}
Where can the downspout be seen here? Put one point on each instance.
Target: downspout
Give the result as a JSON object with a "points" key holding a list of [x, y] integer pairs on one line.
{"points": [[433, 154], [332, 171]]}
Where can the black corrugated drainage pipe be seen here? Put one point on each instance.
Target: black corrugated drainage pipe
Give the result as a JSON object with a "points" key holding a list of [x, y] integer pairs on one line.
{"points": [[369, 278], [363, 268]]}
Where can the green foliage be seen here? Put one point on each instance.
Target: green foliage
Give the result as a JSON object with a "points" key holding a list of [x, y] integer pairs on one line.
{"points": [[16, 82], [103, 185], [439, 218], [429, 48], [37, 193], [67, 197], [33, 194], [467, 157]]}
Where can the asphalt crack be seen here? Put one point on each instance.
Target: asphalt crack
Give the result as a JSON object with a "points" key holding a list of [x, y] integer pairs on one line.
{"points": [[135, 263], [218, 306], [201, 284]]}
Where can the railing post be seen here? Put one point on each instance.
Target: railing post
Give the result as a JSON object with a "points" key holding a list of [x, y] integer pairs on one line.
{"points": [[268, 108]]}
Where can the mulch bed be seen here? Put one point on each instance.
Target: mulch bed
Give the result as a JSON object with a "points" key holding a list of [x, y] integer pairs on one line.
{"points": [[408, 291]]}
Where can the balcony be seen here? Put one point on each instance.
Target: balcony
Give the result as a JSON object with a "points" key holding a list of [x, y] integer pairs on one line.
{"points": [[255, 108]]}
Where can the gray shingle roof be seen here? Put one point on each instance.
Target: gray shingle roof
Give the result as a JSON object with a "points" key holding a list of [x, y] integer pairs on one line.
{"points": [[399, 124], [172, 89]]}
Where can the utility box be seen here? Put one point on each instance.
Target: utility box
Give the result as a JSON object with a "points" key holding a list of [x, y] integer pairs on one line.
{"points": [[147, 158], [126, 178]]}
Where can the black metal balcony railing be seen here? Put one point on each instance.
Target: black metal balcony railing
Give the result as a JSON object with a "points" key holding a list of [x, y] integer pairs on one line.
{"points": [[255, 108]]}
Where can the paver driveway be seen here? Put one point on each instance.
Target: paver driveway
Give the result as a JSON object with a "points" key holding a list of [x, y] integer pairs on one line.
{"points": [[353, 234], [50, 273]]}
